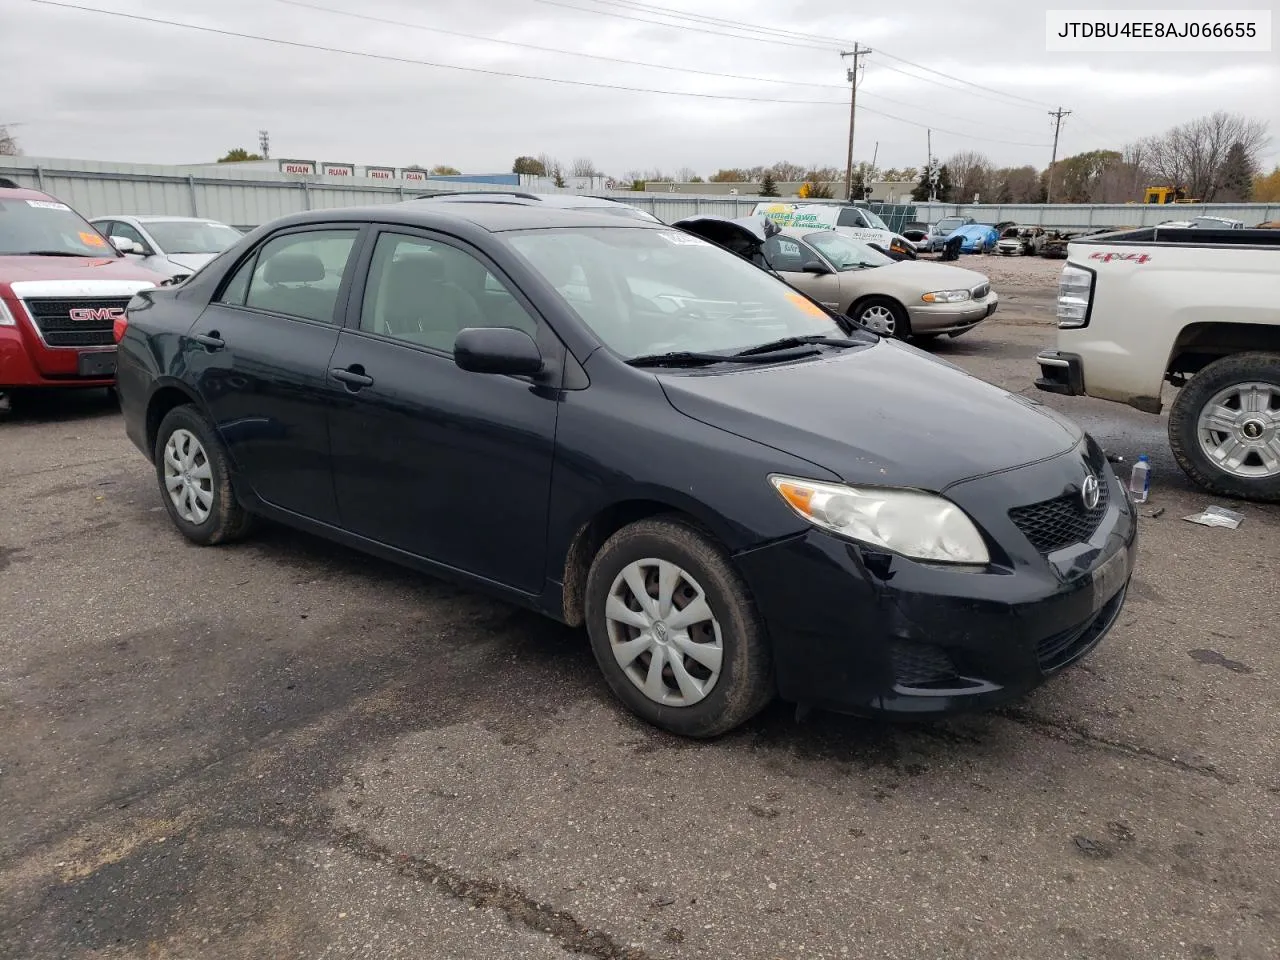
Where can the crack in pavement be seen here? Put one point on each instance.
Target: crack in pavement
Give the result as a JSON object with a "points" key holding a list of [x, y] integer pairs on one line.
{"points": [[572, 935], [1066, 733]]}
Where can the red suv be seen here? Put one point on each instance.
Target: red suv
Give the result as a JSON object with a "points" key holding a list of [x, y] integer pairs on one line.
{"points": [[62, 287]]}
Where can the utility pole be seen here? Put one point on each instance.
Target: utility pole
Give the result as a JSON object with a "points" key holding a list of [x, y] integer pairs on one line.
{"points": [[1057, 125], [264, 144], [857, 52]]}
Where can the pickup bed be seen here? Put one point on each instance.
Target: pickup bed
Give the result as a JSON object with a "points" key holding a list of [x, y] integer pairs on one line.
{"points": [[1196, 308]]}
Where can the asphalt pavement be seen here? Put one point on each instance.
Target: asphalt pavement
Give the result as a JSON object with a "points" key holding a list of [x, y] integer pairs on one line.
{"points": [[282, 748]]}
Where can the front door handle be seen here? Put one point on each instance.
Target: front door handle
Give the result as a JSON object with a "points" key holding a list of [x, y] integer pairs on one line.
{"points": [[210, 340], [353, 376]]}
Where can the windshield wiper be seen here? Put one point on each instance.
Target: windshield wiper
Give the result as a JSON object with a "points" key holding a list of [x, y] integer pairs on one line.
{"points": [[52, 253], [690, 358], [790, 343]]}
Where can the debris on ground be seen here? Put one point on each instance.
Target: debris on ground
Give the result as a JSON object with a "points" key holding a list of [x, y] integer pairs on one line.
{"points": [[1217, 517]]}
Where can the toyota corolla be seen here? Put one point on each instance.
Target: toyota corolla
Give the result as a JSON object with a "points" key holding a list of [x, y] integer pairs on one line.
{"points": [[740, 494]]}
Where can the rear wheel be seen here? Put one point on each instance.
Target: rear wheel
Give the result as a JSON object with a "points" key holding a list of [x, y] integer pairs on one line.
{"points": [[883, 315], [1224, 427], [195, 479], [675, 630]]}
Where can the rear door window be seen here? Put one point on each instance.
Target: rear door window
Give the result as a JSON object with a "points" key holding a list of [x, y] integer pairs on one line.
{"points": [[298, 274]]}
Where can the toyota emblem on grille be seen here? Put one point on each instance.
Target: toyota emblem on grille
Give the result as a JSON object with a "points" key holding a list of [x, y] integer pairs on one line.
{"points": [[1090, 492]]}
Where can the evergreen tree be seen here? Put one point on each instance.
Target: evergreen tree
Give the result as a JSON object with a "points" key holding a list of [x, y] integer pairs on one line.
{"points": [[767, 186]]}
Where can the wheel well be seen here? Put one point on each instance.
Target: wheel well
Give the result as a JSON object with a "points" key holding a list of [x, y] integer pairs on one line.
{"points": [[853, 307], [162, 401], [1199, 344], [591, 537]]}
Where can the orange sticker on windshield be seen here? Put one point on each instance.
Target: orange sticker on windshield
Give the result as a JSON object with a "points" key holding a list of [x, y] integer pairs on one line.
{"points": [[92, 240], [806, 305]]}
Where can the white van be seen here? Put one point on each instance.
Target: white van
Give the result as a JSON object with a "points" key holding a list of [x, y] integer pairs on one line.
{"points": [[849, 219]]}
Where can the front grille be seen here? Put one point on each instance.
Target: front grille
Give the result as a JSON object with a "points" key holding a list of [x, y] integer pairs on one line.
{"points": [[921, 665], [1061, 648], [980, 291], [54, 320], [1053, 524]]}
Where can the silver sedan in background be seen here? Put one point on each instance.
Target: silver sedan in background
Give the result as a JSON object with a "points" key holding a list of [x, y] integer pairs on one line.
{"points": [[173, 246]]}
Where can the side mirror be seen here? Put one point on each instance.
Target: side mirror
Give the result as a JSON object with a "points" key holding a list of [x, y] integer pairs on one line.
{"points": [[815, 267], [497, 350], [125, 245]]}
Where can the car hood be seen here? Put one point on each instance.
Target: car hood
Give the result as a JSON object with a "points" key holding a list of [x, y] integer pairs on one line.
{"points": [[927, 276], [190, 261], [888, 415], [14, 269], [743, 235]]}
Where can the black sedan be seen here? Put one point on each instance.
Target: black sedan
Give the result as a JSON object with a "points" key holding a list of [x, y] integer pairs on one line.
{"points": [[624, 426]]}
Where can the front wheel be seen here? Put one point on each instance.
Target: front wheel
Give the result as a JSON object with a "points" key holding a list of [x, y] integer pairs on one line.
{"points": [[883, 316], [195, 480], [675, 630], [1224, 427]]}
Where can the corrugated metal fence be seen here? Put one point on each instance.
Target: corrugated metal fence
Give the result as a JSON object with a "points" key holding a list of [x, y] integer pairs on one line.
{"points": [[246, 198]]}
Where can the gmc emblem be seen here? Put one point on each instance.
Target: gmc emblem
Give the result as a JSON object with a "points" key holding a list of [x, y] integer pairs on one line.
{"points": [[96, 313]]}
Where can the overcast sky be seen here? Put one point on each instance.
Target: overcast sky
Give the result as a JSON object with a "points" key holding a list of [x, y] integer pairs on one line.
{"points": [[85, 85]]}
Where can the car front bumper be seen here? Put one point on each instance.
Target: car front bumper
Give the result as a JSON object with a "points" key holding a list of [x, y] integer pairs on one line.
{"points": [[58, 367], [952, 318], [864, 632]]}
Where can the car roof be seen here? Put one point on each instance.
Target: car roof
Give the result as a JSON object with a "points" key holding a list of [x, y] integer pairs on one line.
{"points": [[150, 218], [494, 217], [22, 193], [560, 200]]}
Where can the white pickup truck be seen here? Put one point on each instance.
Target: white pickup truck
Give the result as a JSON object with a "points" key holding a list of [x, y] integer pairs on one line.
{"points": [[1197, 308]]}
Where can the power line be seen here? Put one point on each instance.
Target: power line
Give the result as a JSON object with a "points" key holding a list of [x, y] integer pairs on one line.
{"points": [[680, 26], [298, 44], [773, 35], [555, 50], [592, 56]]}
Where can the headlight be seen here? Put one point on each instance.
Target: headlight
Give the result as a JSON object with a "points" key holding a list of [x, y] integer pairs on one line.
{"points": [[6, 318], [918, 525], [1075, 291], [946, 296]]}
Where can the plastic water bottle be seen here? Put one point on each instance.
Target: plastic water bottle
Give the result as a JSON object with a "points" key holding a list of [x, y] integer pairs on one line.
{"points": [[1140, 480]]}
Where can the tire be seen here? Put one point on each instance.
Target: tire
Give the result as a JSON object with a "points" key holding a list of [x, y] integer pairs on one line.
{"points": [[210, 513], [1226, 383], [719, 700], [879, 306]]}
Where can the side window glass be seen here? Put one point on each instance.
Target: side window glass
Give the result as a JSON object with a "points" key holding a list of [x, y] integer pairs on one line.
{"points": [[783, 254], [425, 292], [851, 217], [237, 287], [298, 274], [119, 229]]}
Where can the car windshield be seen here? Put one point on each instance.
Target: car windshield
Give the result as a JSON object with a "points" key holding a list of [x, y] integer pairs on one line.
{"points": [[47, 227], [845, 253], [648, 291], [191, 236], [949, 224], [620, 210]]}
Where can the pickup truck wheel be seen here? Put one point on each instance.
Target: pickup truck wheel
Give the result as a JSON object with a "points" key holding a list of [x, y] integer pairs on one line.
{"points": [[195, 481], [882, 315], [675, 631], [1224, 427]]}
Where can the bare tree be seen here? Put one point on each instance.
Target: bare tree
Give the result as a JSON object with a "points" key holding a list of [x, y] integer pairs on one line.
{"points": [[971, 173], [824, 175], [686, 175], [1017, 185], [548, 162], [1192, 156], [582, 167], [9, 144], [784, 171]]}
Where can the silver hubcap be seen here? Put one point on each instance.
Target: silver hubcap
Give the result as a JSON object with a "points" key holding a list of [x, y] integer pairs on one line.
{"points": [[663, 633], [880, 319], [188, 477], [1239, 430]]}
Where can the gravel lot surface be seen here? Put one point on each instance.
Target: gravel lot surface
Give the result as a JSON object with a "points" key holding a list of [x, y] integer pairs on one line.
{"points": [[285, 749]]}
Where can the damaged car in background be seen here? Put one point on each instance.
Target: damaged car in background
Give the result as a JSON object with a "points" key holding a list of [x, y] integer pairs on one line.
{"points": [[908, 300], [1021, 241]]}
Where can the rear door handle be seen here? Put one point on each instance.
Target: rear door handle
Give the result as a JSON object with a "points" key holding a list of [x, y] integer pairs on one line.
{"points": [[353, 376], [211, 340]]}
